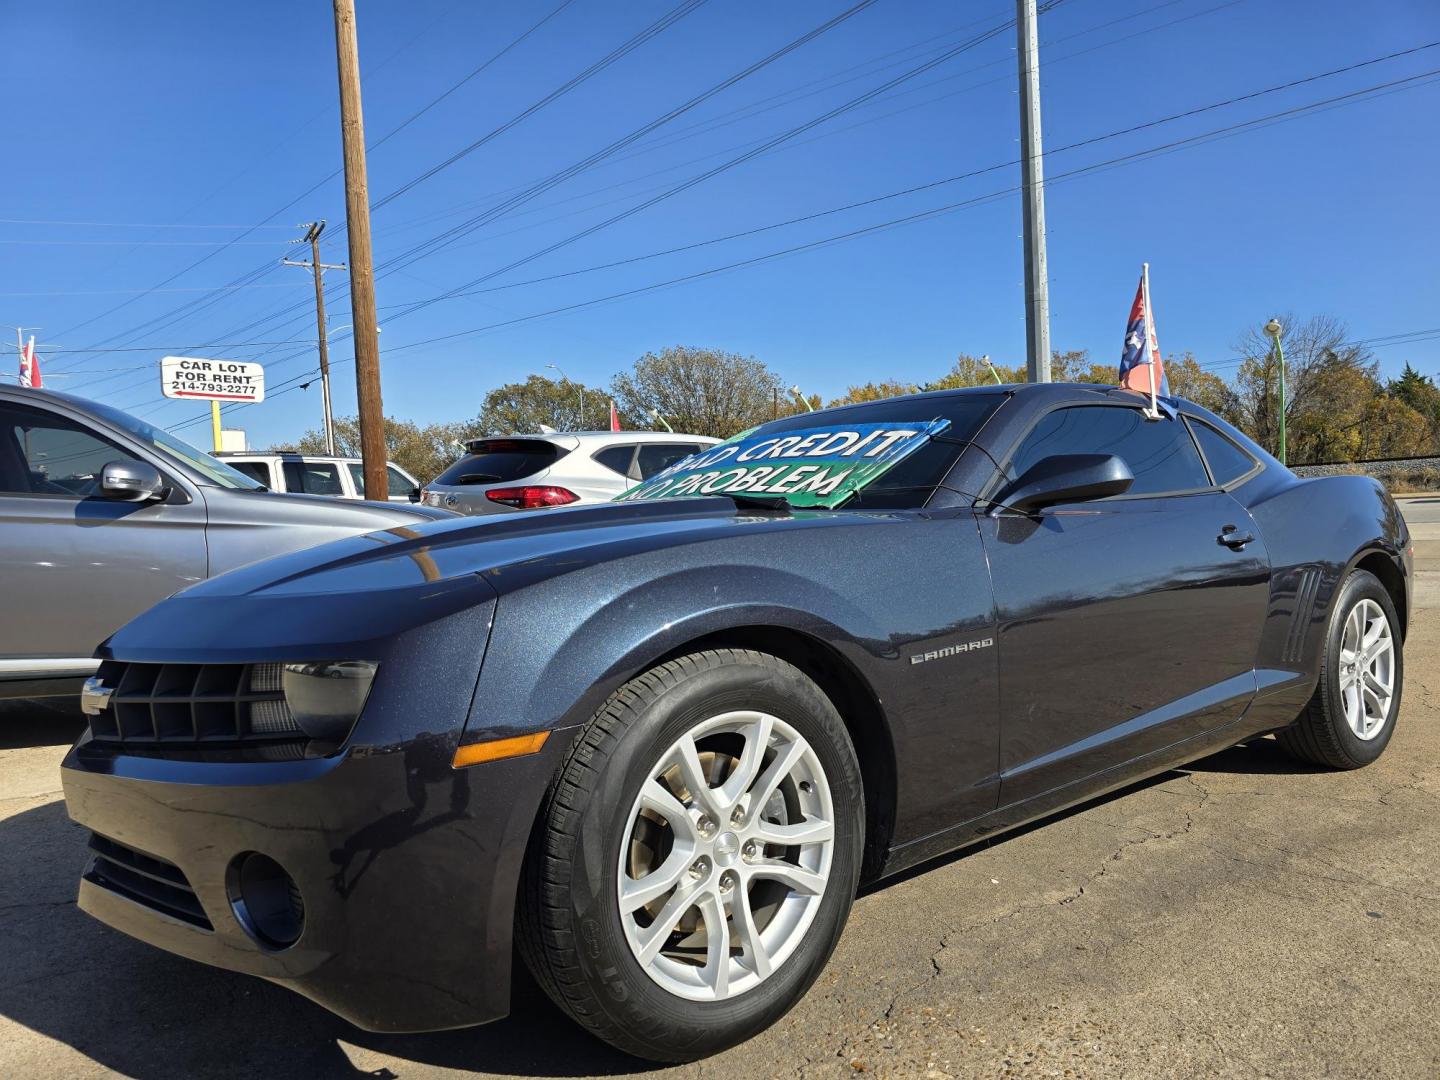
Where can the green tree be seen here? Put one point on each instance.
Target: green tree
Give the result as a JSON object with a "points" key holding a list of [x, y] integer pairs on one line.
{"points": [[1393, 429], [522, 408], [1420, 393], [856, 395], [703, 391], [1076, 366], [973, 371], [421, 451], [1326, 378], [1191, 381]]}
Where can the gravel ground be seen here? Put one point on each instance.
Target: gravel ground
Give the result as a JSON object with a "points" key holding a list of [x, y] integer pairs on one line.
{"points": [[1244, 916]]}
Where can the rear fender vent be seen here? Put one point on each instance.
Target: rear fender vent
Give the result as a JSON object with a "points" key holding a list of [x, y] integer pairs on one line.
{"points": [[1306, 587]]}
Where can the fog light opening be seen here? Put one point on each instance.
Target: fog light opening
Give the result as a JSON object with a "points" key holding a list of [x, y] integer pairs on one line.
{"points": [[265, 899]]}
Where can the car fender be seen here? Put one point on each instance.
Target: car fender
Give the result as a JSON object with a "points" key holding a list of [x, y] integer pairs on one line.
{"points": [[544, 678]]}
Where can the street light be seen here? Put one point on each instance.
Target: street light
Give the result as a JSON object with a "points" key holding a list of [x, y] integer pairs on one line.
{"points": [[656, 414], [565, 378], [802, 398], [1273, 329]]}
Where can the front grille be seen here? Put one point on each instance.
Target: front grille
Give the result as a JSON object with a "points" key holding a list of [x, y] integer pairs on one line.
{"points": [[194, 704], [144, 879]]}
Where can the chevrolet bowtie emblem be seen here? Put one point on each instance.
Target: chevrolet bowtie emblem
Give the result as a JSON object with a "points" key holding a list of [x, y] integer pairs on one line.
{"points": [[95, 696]]}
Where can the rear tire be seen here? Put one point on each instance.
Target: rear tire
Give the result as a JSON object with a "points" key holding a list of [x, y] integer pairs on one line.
{"points": [[665, 823], [1349, 721]]}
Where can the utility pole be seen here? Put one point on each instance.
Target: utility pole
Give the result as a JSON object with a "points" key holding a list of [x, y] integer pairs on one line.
{"points": [[319, 268], [362, 271], [1037, 275]]}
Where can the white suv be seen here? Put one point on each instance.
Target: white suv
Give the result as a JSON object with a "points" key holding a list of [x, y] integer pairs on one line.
{"points": [[342, 477], [527, 472]]}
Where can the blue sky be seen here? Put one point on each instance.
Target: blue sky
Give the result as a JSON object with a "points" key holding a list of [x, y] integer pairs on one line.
{"points": [[183, 117]]}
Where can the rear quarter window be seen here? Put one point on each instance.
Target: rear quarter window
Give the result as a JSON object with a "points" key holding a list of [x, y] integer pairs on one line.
{"points": [[493, 461], [258, 471], [1226, 460]]}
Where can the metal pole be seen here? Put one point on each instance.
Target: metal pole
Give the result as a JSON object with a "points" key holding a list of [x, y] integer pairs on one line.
{"points": [[1274, 330], [215, 424], [362, 273], [1280, 355], [1037, 276]]}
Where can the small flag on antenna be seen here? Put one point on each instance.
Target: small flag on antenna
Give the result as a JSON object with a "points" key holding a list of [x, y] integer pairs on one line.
{"points": [[1141, 368]]}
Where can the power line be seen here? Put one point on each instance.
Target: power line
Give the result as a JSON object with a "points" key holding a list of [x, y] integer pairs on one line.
{"points": [[915, 189], [709, 173], [632, 43], [578, 167], [128, 224], [1165, 148], [659, 26]]}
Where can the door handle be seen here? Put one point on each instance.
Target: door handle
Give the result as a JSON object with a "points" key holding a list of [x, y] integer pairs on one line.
{"points": [[1231, 538]]}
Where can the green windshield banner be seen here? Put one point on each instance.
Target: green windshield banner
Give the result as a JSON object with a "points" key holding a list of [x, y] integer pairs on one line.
{"points": [[818, 466]]}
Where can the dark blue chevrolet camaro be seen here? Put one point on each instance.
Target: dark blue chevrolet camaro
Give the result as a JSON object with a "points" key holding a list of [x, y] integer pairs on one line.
{"points": [[658, 744]]}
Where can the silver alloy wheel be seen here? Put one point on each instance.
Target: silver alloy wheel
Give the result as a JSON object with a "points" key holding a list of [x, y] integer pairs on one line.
{"points": [[725, 858], [1367, 669]]}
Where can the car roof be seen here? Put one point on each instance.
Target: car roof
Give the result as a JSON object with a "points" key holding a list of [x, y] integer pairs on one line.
{"points": [[591, 438], [287, 455]]}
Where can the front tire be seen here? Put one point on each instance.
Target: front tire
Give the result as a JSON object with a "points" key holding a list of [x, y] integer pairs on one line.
{"points": [[1351, 717], [696, 857]]}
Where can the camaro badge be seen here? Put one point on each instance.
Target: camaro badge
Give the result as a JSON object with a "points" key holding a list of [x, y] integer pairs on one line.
{"points": [[952, 650]]}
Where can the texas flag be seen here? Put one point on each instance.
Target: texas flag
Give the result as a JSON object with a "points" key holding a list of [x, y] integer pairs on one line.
{"points": [[1140, 362], [30, 366]]}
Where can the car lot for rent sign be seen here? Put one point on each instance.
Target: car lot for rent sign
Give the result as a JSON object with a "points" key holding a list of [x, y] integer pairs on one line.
{"points": [[212, 380], [816, 466]]}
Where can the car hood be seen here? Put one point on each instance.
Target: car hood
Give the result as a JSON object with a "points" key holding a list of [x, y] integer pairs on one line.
{"points": [[508, 551], [348, 597], [293, 508]]}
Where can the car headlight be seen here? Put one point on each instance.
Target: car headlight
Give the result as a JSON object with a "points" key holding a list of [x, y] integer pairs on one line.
{"points": [[326, 697]]}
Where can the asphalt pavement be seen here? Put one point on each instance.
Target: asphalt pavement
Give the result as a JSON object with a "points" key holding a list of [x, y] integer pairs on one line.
{"points": [[1243, 916]]}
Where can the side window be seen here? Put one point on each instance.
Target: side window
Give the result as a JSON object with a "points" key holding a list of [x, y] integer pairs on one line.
{"points": [[397, 484], [1160, 453], [616, 458], [1226, 460], [259, 471], [655, 457], [313, 477], [45, 454]]}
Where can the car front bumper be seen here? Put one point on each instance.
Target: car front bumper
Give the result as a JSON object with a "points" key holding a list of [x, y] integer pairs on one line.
{"points": [[406, 866]]}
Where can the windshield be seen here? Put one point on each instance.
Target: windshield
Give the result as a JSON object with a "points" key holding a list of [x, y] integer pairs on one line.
{"points": [[210, 470], [887, 454]]}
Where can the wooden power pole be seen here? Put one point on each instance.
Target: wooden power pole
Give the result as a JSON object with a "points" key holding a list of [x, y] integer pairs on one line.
{"points": [[362, 270]]}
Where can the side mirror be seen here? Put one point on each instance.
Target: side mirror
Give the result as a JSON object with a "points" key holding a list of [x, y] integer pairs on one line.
{"points": [[1068, 478], [415, 493], [130, 481]]}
